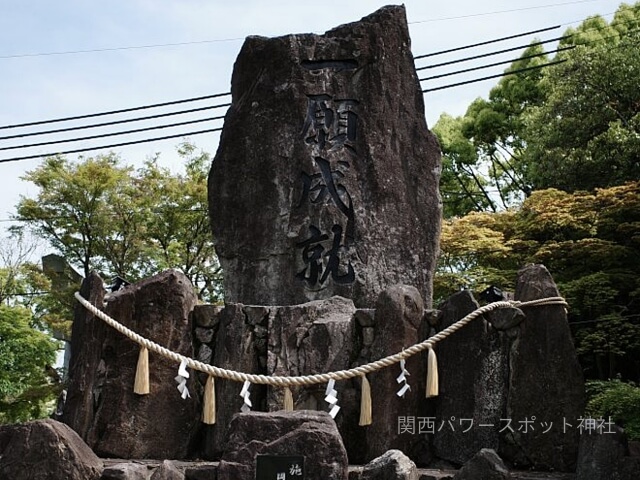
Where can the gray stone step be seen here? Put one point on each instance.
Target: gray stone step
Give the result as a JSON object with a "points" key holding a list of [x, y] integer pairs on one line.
{"points": [[201, 470]]}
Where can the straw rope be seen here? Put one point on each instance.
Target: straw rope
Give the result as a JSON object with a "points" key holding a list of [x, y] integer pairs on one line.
{"points": [[306, 380]]}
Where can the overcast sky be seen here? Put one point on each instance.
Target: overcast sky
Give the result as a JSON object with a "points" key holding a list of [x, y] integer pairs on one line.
{"points": [[41, 79]]}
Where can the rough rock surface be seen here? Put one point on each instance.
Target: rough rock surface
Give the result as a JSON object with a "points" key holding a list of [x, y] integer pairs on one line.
{"points": [[392, 465], [485, 465], [126, 471], [399, 313], [333, 170], [45, 450], [167, 471], [546, 382], [473, 375], [605, 455], [315, 337], [86, 368], [305, 433], [235, 348], [117, 422]]}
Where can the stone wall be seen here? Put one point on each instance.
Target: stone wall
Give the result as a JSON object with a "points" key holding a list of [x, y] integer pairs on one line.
{"points": [[517, 365]]}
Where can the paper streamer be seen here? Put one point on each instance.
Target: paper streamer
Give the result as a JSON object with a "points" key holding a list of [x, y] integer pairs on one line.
{"points": [[402, 378], [245, 394], [182, 380], [332, 398]]}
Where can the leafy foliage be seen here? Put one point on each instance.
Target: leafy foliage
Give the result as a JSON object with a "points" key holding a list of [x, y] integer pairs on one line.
{"points": [[572, 127], [617, 400], [105, 216], [590, 242], [27, 381]]}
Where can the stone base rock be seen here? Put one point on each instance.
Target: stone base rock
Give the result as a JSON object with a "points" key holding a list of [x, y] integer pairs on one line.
{"points": [[101, 405], [310, 434], [485, 465], [126, 471], [45, 450], [392, 465], [546, 385], [167, 471], [605, 456]]}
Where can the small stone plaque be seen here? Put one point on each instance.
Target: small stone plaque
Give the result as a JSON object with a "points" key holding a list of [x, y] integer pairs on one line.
{"points": [[280, 467]]}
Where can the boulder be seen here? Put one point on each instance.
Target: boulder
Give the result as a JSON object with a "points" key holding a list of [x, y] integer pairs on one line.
{"points": [[312, 435], [167, 471], [392, 465], [126, 471], [339, 177], [86, 368], [235, 347], [114, 421], [399, 314], [485, 465], [316, 337], [605, 455], [202, 472], [45, 450], [473, 374], [546, 388]]}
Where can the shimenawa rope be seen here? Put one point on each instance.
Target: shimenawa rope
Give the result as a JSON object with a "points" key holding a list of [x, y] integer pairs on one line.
{"points": [[305, 380]]}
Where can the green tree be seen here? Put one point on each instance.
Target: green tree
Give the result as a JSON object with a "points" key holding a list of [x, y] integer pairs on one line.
{"points": [[73, 211], [179, 230], [482, 150], [27, 380], [618, 401], [591, 244], [586, 132], [102, 215]]}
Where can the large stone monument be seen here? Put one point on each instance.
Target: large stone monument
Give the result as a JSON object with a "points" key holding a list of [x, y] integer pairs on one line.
{"points": [[325, 209], [326, 178]]}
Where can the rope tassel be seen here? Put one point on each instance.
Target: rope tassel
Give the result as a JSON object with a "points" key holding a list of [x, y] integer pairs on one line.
{"points": [[365, 403], [432, 374], [141, 383], [209, 408], [288, 400]]}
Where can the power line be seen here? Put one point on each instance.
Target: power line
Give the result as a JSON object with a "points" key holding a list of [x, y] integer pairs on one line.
{"points": [[490, 54], [513, 72], [502, 11], [113, 49], [226, 94], [123, 110], [227, 104], [488, 42], [117, 122], [598, 28], [112, 134], [103, 147], [527, 57], [220, 40]]}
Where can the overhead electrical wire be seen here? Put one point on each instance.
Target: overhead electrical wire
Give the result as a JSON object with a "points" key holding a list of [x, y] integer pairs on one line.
{"points": [[116, 122], [122, 110], [103, 147], [112, 134], [512, 60], [483, 14], [193, 99], [490, 54], [487, 42], [504, 74], [219, 40]]}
